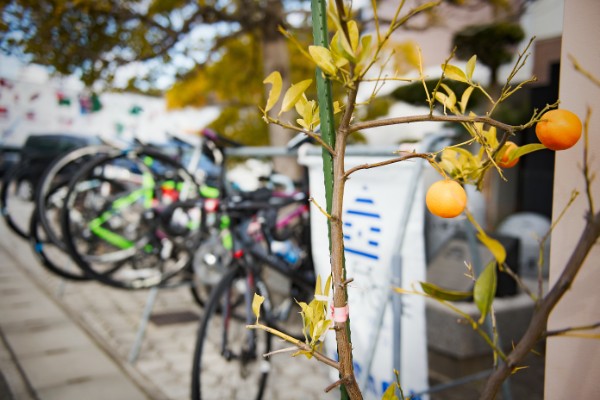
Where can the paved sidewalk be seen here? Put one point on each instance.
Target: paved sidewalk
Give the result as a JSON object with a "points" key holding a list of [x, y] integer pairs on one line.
{"points": [[73, 340], [68, 341], [45, 354]]}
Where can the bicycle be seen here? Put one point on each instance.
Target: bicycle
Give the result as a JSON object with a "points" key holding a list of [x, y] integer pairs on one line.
{"points": [[239, 370], [20, 182]]}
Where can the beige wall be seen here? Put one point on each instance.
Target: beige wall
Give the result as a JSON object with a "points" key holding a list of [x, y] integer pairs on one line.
{"points": [[573, 364]]}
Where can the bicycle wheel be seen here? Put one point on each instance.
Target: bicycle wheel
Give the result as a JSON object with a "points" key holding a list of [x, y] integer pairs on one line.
{"points": [[53, 185], [111, 219], [228, 360], [51, 256], [16, 200]]}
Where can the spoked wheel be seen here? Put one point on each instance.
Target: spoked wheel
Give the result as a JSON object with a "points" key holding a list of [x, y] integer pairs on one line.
{"points": [[53, 257], [16, 198], [209, 264], [228, 359], [111, 219], [53, 187]]}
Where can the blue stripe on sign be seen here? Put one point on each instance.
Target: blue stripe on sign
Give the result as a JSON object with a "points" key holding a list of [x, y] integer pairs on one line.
{"points": [[362, 253], [347, 237], [348, 224], [373, 243], [375, 229], [364, 214], [364, 200]]}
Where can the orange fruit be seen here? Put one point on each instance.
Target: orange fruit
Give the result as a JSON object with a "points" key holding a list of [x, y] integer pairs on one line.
{"points": [[509, 148], [446, 198], [558, 129]]}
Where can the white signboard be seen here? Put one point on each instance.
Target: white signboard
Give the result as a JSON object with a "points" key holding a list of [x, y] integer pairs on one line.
{"points": [[374, 203]]}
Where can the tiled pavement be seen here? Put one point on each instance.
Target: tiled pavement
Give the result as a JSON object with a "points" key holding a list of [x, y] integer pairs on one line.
{"points": [[73, 340], [68, 341]]}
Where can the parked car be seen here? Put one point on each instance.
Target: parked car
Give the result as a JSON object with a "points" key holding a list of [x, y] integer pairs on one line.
{"points": [[8, 158], [40, 150]]}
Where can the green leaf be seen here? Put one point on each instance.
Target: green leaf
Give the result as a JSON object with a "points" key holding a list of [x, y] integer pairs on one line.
{"points": [[444, 294], [256, 303], [470, 68], [455, 73], [294, 94], [485, 290], [526, 149], [323, 58], [494, 246], [275, 80]]}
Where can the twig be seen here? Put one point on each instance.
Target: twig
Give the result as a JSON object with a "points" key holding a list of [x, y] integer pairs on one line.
{"points": [[301, 345], [572, 329], [438, 118], [312, 200], [517, 278], [583, 71], [426, 156], [588, 176], [542, 242]]}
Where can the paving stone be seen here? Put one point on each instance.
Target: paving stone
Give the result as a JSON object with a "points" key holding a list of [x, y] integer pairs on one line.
{"points": [[49, 340], [102, 387]]}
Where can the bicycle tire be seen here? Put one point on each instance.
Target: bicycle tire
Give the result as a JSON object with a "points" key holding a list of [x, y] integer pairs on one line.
{"points": [[16, 203], [142, 264], [56, 175], [52, 257], [220, 370]]}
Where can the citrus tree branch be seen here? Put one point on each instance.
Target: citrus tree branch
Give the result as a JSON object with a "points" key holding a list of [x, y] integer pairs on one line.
{"points": [[359, 126], [425, 156], [537, 326]]}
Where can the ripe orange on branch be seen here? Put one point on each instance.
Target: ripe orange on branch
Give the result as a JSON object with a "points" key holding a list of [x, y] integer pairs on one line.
{"points": [[509, 148], [558, 129], [446, 198]]}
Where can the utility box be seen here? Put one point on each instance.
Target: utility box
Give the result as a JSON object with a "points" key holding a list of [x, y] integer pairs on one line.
{"points": [[383, 221]]}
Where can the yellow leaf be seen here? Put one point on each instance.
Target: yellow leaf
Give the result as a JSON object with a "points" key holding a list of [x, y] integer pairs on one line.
{"points": [[455, 73], [301, 106], [494, 246], [294, 94], [464, 100], [327, 286], [336, 107], [256, 303], [390, 393], [275, 80], [323, 58], [471, 67], [354, 35]]}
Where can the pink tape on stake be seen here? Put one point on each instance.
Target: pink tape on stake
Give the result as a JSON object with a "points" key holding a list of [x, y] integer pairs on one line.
{"points": [[340, 314]]}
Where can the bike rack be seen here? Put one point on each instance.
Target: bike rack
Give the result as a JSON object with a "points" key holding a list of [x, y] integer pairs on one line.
{"points": [[428, 144], [258, 151]]}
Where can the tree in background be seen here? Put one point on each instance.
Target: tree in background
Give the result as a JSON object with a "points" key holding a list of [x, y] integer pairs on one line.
{"points": [[495, 45], [92, 39]]}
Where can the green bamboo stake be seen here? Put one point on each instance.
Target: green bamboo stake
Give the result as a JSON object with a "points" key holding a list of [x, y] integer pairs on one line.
{"points": [[321, 38], [325, 98]]}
